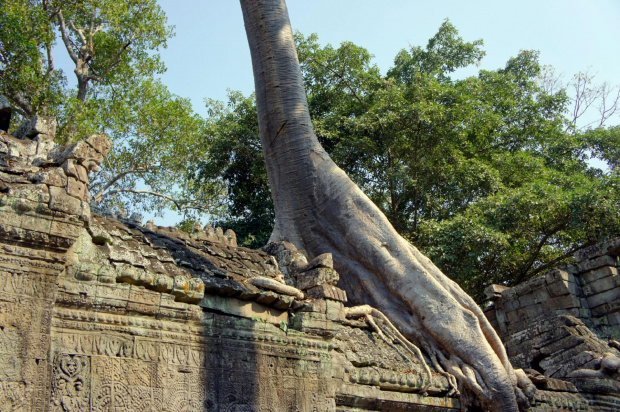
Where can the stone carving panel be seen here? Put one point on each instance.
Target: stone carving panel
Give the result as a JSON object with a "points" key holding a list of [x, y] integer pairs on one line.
{"points": [[71, 383]]}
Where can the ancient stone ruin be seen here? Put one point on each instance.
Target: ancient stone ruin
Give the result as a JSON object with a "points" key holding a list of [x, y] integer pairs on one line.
{"points": [[102, 313]]}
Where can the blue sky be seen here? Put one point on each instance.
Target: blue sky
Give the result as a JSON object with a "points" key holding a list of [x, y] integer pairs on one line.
{"points": [[210, 54]]}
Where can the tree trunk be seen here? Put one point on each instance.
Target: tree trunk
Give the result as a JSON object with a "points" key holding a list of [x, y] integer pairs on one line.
{"points": [[319, 209]]}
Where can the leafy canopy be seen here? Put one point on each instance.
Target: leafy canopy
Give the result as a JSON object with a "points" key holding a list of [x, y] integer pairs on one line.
{"points": [[486, 174], [111, 87]]}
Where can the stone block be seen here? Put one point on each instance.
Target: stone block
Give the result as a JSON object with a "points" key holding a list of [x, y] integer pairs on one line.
{"points": [[585, 313], [315, 323], [283, 302], [593, 275], [602, 298], [121, 254], [76, 188], [598, 262], [82, 173], [246, 309], [69, 166], [35, 126], [574, 289], [51, 177], [500, 316], [557, 385], [65, 229], [558, 288], [163, 283], [139, 294], [512, 316], [606, 308], [527, 300], [321, 261], [561, 302], [35, 192], [327, 292], [523, 289], [319, 306], [610, 247], [537, 282], [62, 202], [100, 143], [541, 294], [556, 274], [335, 310], [534, 311], [601, 285], [493, 292], [511, 304], [188, 290], [613, 318], [316, 277], [35, 223], [266, 298], [119, 291], [509, 294]]}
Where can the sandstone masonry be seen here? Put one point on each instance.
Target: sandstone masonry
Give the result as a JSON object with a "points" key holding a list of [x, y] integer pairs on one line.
{"points": [[101, 313]]}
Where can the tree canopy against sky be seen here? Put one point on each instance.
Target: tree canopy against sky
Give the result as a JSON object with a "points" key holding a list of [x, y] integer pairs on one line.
{"points": [[571, 36], [502, 171], [107, 82], [487, 174]]}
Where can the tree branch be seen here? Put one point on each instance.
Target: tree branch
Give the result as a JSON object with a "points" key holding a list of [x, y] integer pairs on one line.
{"points": [[115, 61], [48, 46], [22, 104], [80, 32], [176, 203], [65, 38], [343, 80], [100, 194]]}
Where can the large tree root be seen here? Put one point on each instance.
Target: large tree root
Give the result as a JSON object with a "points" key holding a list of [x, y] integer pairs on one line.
{"points": [[380, 268], [320, 210], [272, 284], [385, 327]]}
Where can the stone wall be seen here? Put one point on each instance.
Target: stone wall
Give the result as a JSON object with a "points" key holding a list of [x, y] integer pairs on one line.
{"points": [[564, 323], [104, 314], [98, 313]]}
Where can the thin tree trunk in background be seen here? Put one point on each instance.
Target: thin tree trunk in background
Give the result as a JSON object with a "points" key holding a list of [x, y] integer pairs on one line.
{"points": [[319, 209]]}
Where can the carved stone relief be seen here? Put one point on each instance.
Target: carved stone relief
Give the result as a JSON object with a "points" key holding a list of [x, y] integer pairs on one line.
{"points": [[71, 383]]}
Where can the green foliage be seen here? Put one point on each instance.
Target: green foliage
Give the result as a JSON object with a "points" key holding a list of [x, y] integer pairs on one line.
{"points": [[114, 48], [25, 75], [604, 144], [485, 174], [235, 158]]}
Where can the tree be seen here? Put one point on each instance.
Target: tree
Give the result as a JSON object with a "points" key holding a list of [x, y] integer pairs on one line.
{"points": [[113, 47], [235, 158], [436, 154], [319, 209]]}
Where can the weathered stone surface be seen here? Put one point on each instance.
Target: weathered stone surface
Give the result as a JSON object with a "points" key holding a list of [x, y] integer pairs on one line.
{"points": [[62, 202], [35, 126], [316, 277], [104, 314], [597, 262], [610, 247], [494, 291], [76, 188], [327, 292], [324, 260], [594, 275]]}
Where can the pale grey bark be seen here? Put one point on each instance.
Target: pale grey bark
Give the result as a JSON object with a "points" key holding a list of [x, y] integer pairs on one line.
{"points": [[319, 209]]}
